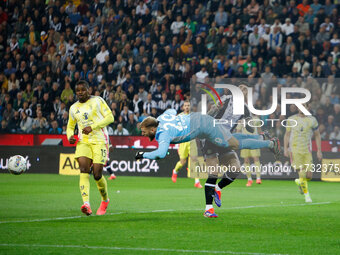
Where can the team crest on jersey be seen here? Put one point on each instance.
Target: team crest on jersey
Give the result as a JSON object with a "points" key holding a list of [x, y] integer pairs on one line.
{"points": [[86, 116], [77, 111]]}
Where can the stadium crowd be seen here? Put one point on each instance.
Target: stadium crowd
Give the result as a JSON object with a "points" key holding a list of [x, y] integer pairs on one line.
{"points": [[140, 56]]}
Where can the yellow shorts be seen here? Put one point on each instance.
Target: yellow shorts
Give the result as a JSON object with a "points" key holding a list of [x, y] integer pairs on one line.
{"points": [[97, 152], [246, 153], [183, 150], [299, 159]]}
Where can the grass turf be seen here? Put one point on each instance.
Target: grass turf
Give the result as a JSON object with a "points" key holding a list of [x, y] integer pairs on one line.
{"points": [[165, 218]]}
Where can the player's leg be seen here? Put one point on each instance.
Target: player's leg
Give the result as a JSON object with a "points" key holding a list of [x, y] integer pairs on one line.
{"points": [[108, 169], [197, 180], [111, 173], [84, 183], [209, 189], [84, 157], [305, 175], [232, 162], [221, 136], [298, 161], [183, 153], [99, 159], [178, 167], [256, 159], [247, 167]]}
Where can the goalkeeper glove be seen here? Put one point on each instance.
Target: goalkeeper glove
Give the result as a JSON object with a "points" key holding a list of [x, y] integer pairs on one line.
{"points": [[139, 155]]}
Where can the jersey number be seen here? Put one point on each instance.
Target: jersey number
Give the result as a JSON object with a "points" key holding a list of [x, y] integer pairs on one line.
{"points": [[169, 118]]}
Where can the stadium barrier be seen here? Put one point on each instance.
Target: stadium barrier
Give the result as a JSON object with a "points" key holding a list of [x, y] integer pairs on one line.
{"points": [[137, 142], [60, 159]]}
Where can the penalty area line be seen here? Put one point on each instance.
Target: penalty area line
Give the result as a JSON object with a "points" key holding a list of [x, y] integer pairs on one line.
{"points": [[162, 211], [132, 249]]}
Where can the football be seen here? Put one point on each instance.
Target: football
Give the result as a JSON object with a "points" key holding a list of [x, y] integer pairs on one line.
{"points": [[17, 164]]}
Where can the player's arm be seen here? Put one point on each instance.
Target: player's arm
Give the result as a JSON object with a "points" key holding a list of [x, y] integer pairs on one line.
{"points": [[71, 124], [248, 116], [163, 146], [317, 137], [108, 118], [214, 110], [286, 142]]}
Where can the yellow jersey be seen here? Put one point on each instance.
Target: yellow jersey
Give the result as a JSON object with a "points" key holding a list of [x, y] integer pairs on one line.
{"points": [[301, 134], [95, 113], [184, 146], [254, 121]]}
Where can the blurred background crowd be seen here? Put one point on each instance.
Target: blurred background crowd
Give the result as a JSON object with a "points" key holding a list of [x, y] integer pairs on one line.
{"points": [[141, 55]]}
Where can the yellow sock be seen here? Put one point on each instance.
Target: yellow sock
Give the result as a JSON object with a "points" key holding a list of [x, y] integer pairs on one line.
{"points": [[258, 169], [178, 166], [248, 170], [84, 185], [304, 185], [102, 187]]}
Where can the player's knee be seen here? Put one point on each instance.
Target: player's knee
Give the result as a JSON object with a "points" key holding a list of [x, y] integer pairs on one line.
{"points": [[97, 176], [84, 170], [183, 161]]}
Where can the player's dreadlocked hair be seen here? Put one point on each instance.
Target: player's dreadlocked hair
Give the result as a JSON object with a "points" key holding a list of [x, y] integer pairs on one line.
{"points": [[150, 122]]}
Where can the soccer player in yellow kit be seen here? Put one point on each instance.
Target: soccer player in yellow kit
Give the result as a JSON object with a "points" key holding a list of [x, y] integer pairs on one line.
{"points": [[247, 154], [298, 139], [183, 152], [92, 115]]}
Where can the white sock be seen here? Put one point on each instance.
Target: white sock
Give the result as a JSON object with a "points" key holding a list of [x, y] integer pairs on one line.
{"points": [[258, 178], [307, 194], [217, 188], [197, 180], [86, 203], [271, 144], [175, 172], [250, 179], [207, 207]]}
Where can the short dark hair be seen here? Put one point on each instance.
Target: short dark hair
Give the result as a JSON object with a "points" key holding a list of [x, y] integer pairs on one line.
{"points": [[84, 83]]}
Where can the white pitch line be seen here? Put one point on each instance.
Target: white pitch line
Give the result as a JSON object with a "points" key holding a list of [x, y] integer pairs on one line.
{"points": [[160, 211], [135, 249], [53, 219]]}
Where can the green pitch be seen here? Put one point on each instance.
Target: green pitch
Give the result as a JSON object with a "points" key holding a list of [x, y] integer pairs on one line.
{"points": [[40, 214]]}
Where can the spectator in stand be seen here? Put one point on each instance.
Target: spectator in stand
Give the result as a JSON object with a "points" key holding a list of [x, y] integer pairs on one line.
{"points": [[65, 94], [54, 129], [149, 104], [4, 129], [26, 123], [14, 123], [121, 43], [120, 130], [40, 124]]}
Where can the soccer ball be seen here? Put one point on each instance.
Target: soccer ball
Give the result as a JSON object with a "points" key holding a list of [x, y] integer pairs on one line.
{"points": [[17, 164]]}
